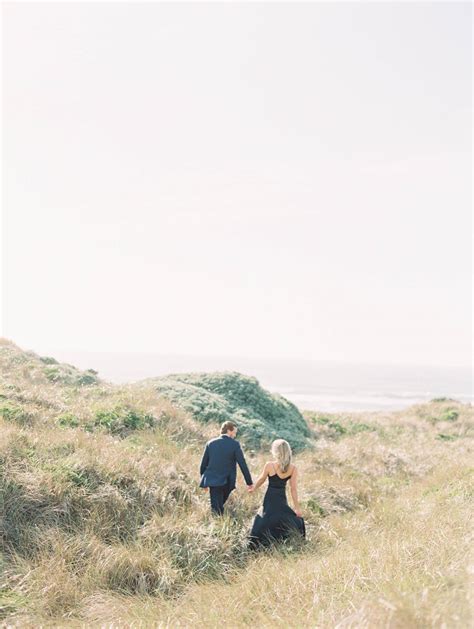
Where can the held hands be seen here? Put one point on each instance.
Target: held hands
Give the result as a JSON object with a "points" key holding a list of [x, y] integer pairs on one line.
{"points": [[250, 488], [299, 513]]}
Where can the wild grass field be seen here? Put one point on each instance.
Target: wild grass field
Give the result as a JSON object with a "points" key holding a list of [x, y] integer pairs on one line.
{"points": [[104, 525]]}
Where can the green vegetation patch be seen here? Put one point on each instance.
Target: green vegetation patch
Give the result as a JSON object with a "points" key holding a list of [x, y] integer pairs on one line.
{"points": [[335, 427], [120, 420], [88, 478], [221, 396], [445, 437], [10, 602], [443, 409], [15, 413], [68, 420], [69, 375], [49, 360], [313, 505], [449, 415]]}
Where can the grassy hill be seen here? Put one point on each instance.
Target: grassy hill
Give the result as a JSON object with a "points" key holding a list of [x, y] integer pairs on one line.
{"points": [[103, 522], [221, 396]]}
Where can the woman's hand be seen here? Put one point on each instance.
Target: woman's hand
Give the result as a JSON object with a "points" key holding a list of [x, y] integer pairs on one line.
{"points": [[259, 480], [299, 513]]}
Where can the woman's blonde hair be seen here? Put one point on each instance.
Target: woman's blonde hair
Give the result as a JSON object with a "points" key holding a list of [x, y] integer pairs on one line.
{"points": [[281, 450]]}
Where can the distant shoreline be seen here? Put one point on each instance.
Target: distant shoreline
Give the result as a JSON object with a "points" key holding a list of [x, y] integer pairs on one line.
{"points": [[325, 387], [347, 404]]}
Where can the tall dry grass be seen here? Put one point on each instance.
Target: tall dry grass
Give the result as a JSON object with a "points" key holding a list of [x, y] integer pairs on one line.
{"points": [[102, 529]]}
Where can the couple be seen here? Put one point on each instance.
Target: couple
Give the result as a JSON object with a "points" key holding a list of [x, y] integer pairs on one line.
{"points": [[218, 474]]}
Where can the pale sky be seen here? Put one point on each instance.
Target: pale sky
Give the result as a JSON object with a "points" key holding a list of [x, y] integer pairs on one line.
{"points": [[261, 180]]}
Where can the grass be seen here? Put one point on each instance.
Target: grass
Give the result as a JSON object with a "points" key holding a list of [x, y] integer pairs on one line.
{"points": [[108, 527], [394, 565]]}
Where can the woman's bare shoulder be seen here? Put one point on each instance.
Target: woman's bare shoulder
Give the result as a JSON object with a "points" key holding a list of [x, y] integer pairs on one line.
{"points": [[269, 468]]}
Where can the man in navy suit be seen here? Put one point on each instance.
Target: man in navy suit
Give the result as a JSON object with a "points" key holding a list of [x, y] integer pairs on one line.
{"points": [[218, 466]]}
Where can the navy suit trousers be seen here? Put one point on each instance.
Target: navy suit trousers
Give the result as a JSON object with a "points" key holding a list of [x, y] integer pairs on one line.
{"points": [[218, 496]]}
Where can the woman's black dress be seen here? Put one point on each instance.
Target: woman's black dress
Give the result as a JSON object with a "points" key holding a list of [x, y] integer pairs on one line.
{"points": [[278, 520]]}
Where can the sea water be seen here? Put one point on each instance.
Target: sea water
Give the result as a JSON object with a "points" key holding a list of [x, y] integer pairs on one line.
{"points": [[312, 385]]}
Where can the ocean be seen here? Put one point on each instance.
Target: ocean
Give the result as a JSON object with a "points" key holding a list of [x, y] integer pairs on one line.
{"points": [[319, 386]]}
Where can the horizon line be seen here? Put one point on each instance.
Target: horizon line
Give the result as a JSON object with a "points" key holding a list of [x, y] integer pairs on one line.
{"points": [[315, 361]]}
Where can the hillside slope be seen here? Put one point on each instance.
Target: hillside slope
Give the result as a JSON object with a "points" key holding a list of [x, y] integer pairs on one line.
{"points": [[103, 521], [220, 396]]}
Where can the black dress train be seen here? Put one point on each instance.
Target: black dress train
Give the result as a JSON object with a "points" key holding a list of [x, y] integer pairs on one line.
{"points": [[278, 520]]}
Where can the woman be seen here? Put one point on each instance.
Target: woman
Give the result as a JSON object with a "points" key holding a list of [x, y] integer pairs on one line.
{"points": [[278, 520]]}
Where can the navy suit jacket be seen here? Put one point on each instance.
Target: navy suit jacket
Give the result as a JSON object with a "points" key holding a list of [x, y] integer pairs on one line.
{"points": [[218, 465]]}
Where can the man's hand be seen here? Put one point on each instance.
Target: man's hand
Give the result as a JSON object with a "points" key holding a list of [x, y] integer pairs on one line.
{"points": [[299, 513], [250, 488], [205, 488]]}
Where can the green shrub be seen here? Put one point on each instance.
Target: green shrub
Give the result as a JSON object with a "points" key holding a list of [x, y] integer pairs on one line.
{"points": [[333, 429], [320, 419], [221, 396], [338, 428], [315, 507], [75, 475], [450, 415], [15, 413], [121, 420], [53, 374], [68, 421], [49, 360], [356, 427], [69, 375], [445, 437], [86, 378]]}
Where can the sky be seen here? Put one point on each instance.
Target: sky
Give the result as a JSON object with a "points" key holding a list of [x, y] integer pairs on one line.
{"points": [[264, 180]]}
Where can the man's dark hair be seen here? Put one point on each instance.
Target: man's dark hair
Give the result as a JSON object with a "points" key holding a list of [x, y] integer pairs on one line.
{"points": [[226, 426]]}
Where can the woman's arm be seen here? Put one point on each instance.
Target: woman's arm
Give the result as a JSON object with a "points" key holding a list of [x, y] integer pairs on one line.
{"points": [[294, 491], [262, 477]]}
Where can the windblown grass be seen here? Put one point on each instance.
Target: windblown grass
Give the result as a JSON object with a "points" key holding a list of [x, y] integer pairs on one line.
{"points": [[108, 526]]}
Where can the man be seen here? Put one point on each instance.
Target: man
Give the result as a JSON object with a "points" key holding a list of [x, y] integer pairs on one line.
{"points": [[218, 467]]}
